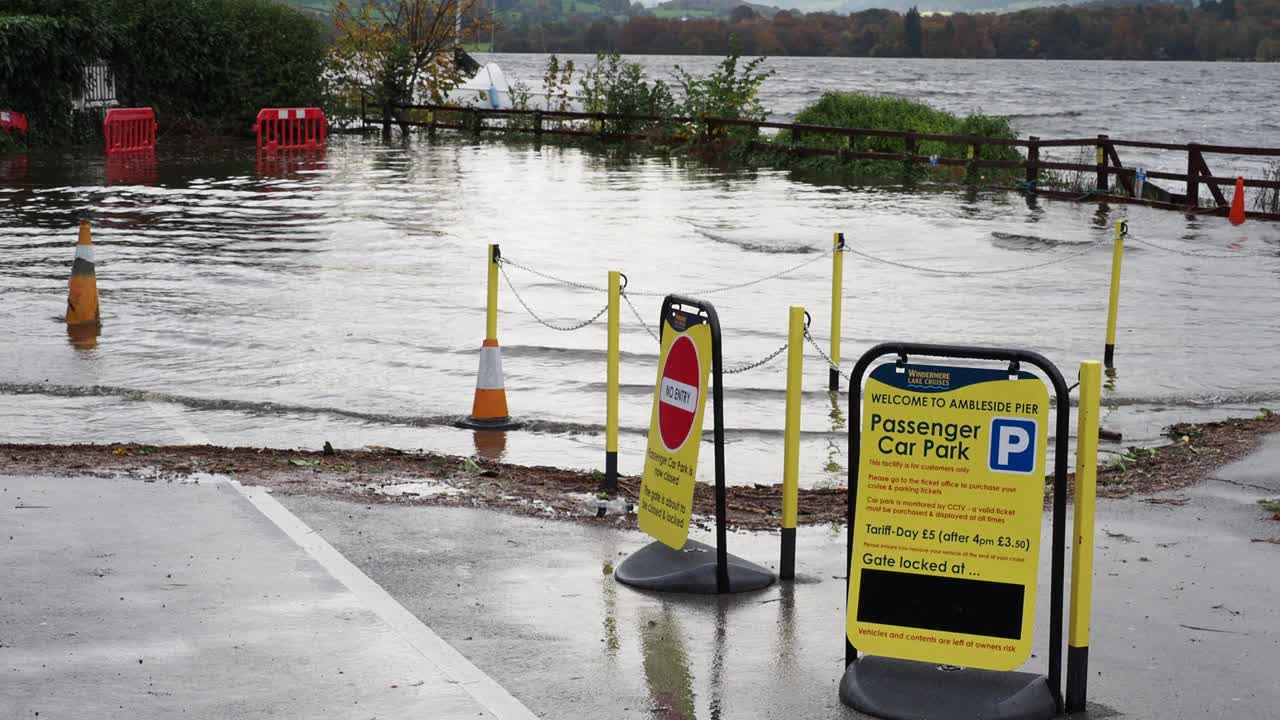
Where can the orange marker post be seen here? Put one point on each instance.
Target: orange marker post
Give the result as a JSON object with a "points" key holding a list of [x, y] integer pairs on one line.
{"points": [[82, 296]]}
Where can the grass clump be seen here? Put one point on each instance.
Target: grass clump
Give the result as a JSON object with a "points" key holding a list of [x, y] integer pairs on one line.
{"points": [[852, 110]]}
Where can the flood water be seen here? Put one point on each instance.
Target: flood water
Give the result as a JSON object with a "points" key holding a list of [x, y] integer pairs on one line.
{"points": [[343, 299]]}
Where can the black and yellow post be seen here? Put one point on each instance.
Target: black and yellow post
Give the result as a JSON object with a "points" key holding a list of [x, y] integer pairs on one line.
{"points": [[610, 483], [1113, 305], [1082, 550], [791, 443], [837, 296]]}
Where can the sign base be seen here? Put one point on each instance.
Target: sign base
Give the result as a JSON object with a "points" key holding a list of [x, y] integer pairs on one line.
{"points": [[691, 570], [908, 690]]}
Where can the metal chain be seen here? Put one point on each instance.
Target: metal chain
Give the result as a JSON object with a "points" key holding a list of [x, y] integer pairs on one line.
{"points": [[965, 273], [640, 319], [1184, 253], [546, 276], [739, 286], [752, 366], [534, 315], [823, 355]]}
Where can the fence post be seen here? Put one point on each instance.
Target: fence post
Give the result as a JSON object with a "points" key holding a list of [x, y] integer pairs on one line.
{"points": [[970, 169], [1113, 304], [364, 121], [611, 400], [1033, 161], [537, 124], [908, 152], [1193, 176], [791, 443], [1082, 551], [837, 301], [1102, 182]]}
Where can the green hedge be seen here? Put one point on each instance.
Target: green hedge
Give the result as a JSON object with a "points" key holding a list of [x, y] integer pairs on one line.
{"points": [[44, 47], [212, 64], [204, 65]]}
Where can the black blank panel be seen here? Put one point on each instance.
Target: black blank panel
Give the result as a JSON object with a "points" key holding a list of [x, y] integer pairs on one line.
{"points": [[949, 604]]}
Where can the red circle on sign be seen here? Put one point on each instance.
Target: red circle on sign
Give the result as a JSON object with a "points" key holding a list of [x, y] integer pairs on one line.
{"points": [[678, 393]]}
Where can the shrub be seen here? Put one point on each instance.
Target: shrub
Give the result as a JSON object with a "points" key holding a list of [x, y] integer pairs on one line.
{"points": [[614, 87], [850, 110], [731, 91]]}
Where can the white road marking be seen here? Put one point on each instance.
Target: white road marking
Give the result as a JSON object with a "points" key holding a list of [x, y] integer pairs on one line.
{"points": [[451, 663]]}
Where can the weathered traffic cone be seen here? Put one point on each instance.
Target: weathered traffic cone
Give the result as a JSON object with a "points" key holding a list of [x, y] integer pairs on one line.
{"points": [[1237, 204], [82, 296], [489, 409]]}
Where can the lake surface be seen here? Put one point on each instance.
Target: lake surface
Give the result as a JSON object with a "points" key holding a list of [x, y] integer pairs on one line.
{"points": [[343, 299], [1174, 102]]}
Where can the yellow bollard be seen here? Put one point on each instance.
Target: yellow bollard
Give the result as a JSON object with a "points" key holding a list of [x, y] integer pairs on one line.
{"points": [[791, 443], [489, 409], [611, 398], [1113, 306], [1082, 551], [837, 297], [82, 295]]}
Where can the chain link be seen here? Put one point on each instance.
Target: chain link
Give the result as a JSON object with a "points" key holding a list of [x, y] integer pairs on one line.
{"points": [[966, 273], [547, 276], [534, 315], [640, 319], [1185, 253], [739, 286], [752, 366], [823, 355]]}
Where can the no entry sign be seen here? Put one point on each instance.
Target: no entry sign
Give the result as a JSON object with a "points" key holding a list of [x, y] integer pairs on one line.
{"points": [[679, 393], [950, 489], [675, 430]]}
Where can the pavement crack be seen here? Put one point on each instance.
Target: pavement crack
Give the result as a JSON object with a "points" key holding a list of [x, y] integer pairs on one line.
{"points": [[1215, 630], [1250, 486]]}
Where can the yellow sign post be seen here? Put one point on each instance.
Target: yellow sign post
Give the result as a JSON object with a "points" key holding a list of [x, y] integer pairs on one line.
{"points": [[690, 356], [945, 516], [675, 434]]}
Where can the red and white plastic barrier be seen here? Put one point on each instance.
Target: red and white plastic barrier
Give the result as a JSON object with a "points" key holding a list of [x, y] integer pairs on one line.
{"points": [[291, 128], [130, 129], [12, 121]]}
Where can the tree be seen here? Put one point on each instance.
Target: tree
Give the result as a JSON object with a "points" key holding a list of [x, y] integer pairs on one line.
{"points": [[913, 36], [402, 50], [742, 12]]}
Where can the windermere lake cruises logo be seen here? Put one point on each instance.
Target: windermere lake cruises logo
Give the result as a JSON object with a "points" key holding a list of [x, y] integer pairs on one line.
{"points": [[929, 379]]}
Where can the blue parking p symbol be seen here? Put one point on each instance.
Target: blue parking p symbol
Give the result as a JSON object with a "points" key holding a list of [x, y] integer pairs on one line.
{"points": [[1013, 445]]}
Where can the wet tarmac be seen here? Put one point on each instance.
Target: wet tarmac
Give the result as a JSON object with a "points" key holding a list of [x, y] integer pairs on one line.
{"points": [[1184, 623], [134, 599]]}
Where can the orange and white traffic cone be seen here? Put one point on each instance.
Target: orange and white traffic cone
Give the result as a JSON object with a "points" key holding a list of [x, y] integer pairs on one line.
{"points": [[489, 409], [1237, 204], [82, 296]]}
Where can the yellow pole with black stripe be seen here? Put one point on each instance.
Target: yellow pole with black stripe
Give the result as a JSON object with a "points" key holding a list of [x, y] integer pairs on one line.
{"points": [[611, 399], [1113, 306], [791, 444], [837, 296], [1082, 551]]}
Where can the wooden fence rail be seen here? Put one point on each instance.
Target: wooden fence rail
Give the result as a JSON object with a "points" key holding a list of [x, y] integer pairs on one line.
{"points": [[1107, 163]]}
